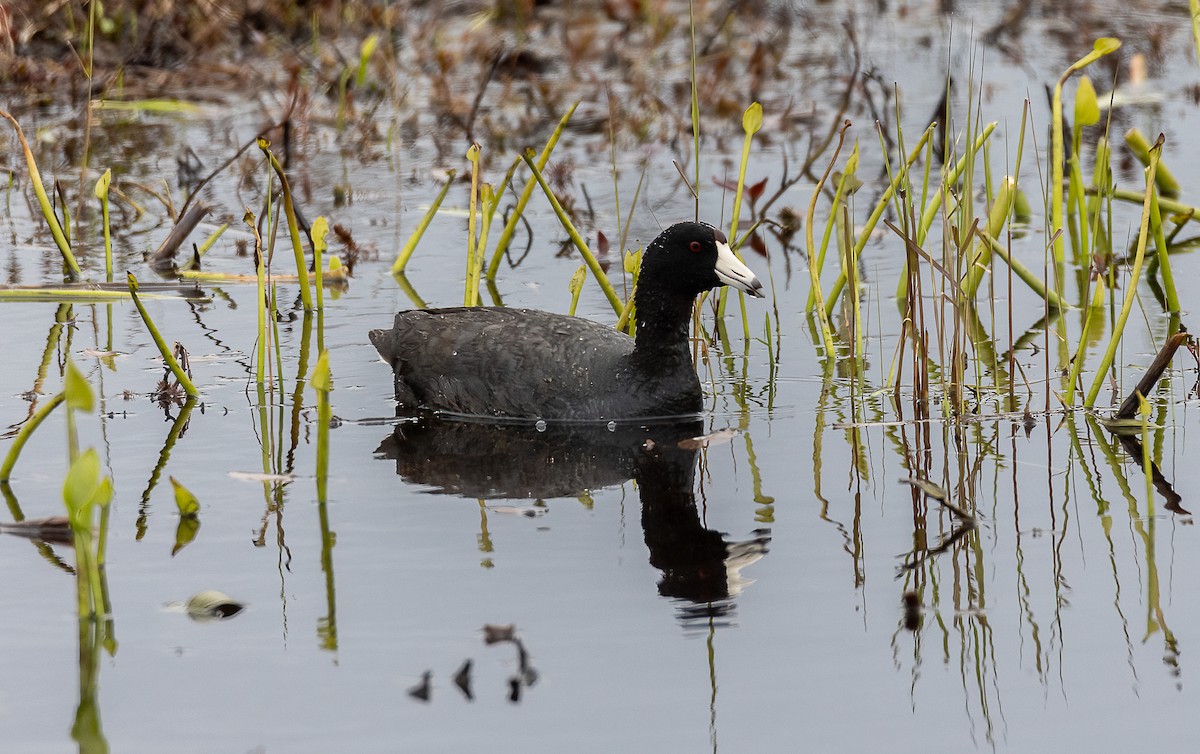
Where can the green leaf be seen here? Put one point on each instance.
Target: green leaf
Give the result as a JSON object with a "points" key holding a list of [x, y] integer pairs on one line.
{"points": [[1143, 406], [320, 229], [133, 283], [185, 533], [576, 283], [77, 390], [1087, 108], [187, 503], [103, 183], [322, 379], [752, 118], [633, 261], [83, 479], [364, 56], [1022, 211], [103, 493], [1105, 45]]}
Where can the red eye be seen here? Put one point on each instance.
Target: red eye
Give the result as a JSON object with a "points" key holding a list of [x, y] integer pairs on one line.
{"points": [[695, 246]]}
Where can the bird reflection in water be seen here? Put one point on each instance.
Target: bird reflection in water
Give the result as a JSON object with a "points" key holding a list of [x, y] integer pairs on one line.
{"points": [[478, 460]]}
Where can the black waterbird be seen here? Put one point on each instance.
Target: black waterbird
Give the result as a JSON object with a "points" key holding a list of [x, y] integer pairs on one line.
{"points": [[528, 364]]}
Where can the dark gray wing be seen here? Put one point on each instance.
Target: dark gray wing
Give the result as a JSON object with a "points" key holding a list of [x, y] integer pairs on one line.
{"points": [[503, 362]]}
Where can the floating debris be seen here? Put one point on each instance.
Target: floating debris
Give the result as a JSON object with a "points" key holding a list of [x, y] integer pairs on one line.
{"points": [[493, 634], [937, 493], [1154, 373], [212, 605], [52, 529], [519, 510], [913, 609], [712, 438], [251, 476], [526, 675], [462, 679], [422, 690]]}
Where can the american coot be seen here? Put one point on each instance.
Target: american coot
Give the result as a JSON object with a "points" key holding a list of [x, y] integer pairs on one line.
{"points": [[521, 363]]}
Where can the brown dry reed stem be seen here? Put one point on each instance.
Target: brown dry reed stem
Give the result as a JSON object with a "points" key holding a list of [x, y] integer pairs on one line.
{"points": [[164, 256], [1153, 374]]}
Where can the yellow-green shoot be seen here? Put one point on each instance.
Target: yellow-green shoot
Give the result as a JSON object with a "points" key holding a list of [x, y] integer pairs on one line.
{"points": [[180, 376]]}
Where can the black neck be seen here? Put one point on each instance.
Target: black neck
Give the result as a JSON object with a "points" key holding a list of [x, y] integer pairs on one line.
{"points": [[663, 322]]}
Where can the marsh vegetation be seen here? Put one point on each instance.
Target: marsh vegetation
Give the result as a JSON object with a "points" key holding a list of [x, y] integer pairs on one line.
{"points": [[939, 494]]}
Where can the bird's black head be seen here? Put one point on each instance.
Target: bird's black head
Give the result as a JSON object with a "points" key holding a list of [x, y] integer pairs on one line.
{"points": [[691, 258]]}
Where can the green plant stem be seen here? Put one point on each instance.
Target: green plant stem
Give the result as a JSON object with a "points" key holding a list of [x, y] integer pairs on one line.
{"points": [[1160, 247], [1164, 179], [814, 279], [510, 227], [1131, 286], [289, 209], [1026, 275], [35, 178], [26, 431], [102, 195], [996, 220], [838, 198], [931, 208], [320, 229], [180, 376], [1081, 353], [751, 123], [585, 252], [411, 244], [470, 293], [1102, 47]]}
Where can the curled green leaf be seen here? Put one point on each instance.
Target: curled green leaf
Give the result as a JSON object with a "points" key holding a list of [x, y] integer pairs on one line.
{"points": [[77, 390], [81, 486], [322, 379], [103, 184], [576, 283], [1087, 108], [320, 229], [187, 503], [752, 119]]}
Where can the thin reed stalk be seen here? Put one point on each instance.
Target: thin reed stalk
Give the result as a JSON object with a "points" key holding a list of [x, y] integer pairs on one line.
{"points": [[180, 376], [510, 227], [35, 178], [411, 244], [1131, 286], [588, 257], [289, 209]]}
